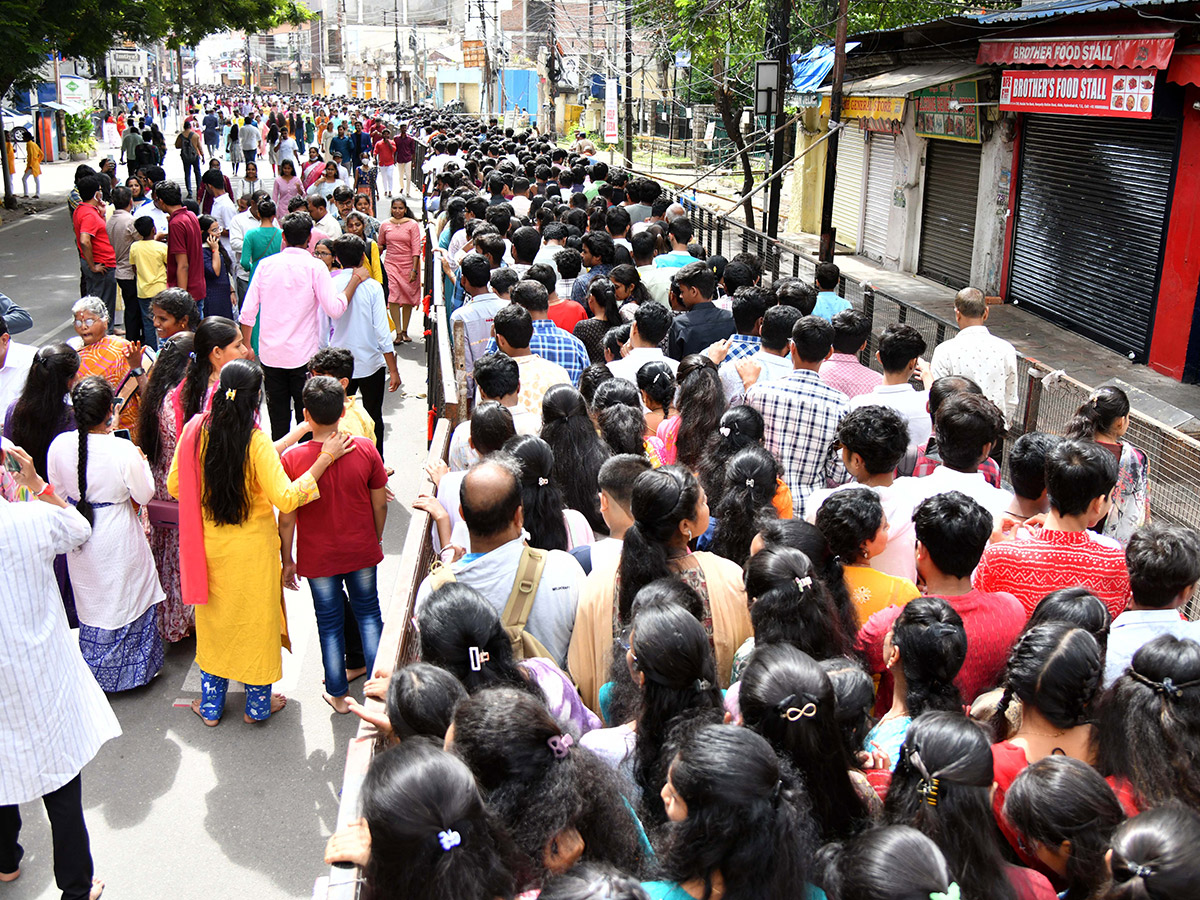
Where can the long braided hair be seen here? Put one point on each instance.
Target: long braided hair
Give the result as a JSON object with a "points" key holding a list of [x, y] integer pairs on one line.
{"points": [[92, 399], [1054, 668]]}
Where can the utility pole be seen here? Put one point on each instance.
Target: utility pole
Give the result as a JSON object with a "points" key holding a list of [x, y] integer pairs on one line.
{"points": [[828, 235], [551, 72], [396, 16], [246, 64], [629, 83], [779, 142], [591, 59]]}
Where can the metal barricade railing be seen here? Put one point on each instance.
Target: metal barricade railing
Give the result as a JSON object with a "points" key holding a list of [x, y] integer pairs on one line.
{"points": [[1174, 457], [397, 647]]}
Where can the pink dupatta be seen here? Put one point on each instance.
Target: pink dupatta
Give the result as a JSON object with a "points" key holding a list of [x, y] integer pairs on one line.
{"points": [[193, 566]]}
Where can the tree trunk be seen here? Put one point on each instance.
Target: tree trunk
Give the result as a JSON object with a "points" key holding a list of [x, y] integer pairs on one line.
{"points": [[731, 115]]}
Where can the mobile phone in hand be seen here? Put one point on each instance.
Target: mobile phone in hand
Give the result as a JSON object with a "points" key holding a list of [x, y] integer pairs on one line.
{"points": [[11, 463], [123, 433]]}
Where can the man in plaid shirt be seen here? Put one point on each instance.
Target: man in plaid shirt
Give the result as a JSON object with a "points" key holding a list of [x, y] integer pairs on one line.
{"points": [[549, 341], [802, 413]]}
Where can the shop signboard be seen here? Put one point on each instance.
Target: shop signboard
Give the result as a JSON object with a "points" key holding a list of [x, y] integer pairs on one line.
{"points": [[1120, 93], [949, 112], [76, 90], [868, 107], [1151, 51], [610, 111]]}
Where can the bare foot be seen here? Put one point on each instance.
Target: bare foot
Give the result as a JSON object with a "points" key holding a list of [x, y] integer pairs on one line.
{"points": [[339, 704], [6, 877], [97, 889], [355, 674], [278, 702], [211, 723]]}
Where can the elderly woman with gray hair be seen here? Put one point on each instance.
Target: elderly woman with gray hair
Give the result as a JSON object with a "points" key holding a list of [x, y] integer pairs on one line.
{"points": [[116, 360]]}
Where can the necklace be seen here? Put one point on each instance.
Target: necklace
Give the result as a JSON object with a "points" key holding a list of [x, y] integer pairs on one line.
{"points": [[1056, 734]]}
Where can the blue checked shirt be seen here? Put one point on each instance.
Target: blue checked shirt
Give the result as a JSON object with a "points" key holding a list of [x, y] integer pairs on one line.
{"points": [[742, 346], [802, 415], [552, 343]]}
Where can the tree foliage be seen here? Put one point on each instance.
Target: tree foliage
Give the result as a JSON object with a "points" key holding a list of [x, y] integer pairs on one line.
{"points": [[87, 29]]}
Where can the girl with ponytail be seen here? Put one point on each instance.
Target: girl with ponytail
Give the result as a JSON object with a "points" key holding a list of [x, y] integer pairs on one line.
{"points": [[786, 697], [669, 511], [738, 822], [41, 412], [1154, 856], [924, 651], [115, 581], [688, 435], [229, 481], [750, 478], [217, 341], [1105, 419], [1054, 670]]}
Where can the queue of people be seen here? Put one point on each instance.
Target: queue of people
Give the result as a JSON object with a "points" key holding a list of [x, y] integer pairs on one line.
{"points": [[719, 611]]}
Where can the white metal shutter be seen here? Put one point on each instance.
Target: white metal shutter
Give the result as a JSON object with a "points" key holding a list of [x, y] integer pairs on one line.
{"points": [[1091, 219], [881, 156], [848, 192], [948, 217]]}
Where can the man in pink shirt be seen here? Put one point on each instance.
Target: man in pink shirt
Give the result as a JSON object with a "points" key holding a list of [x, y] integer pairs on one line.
{"points": [[287, 290], [952, 531], [842, 371]]}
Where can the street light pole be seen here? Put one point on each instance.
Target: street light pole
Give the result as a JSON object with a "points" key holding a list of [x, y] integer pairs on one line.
{"points": [[828, 235]]}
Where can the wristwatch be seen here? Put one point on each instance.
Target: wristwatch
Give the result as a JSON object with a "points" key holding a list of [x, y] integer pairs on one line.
{"points": [[138, 372]]}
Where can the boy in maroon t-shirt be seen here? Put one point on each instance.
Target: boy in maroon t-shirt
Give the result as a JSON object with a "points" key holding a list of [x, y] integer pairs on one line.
{"points": [[340, 535]]}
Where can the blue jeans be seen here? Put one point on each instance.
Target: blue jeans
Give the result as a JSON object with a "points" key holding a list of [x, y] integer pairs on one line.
{"points": [[328, 603], [149, 335]]}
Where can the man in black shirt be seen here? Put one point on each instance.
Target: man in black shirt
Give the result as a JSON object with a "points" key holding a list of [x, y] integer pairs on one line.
{"points": [[704, 322]]}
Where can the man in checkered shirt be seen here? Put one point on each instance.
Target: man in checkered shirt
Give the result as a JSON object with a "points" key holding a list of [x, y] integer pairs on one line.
{"points": [[802, 413]]}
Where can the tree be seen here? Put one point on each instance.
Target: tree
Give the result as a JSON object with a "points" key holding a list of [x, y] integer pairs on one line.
{"points": [[86, 29]]}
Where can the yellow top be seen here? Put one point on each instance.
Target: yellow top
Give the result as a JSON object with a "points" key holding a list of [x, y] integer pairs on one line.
{"points": [[149, 258], [33, 158], [240, 631], [871, 590], [356, 421]]}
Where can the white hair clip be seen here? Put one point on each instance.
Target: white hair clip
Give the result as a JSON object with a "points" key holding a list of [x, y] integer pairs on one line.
{"points": [[477, 658], [542, 482], [804, 582], [725, 430], [449, 839], [749, 482]]}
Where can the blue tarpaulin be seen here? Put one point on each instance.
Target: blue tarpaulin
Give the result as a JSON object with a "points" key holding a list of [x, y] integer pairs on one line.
{"points": [[809, 70]]}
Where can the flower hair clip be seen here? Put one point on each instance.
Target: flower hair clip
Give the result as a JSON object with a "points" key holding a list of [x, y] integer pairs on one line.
{"points": [[477, 658], [230, 393], [951, 893], [725, 430], [542, 482], [560, 744], [750, 482], [449, 839], [805, 582]]}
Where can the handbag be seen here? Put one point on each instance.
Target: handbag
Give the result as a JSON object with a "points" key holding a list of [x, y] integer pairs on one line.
{"points": [[163, 514]]}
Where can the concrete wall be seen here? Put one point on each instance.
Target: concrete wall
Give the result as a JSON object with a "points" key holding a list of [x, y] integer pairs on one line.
{"points": [[991, 215]]}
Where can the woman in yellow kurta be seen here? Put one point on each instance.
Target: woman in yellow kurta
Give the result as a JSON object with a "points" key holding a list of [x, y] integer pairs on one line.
{"points": [[228, 478], [33, 167]]}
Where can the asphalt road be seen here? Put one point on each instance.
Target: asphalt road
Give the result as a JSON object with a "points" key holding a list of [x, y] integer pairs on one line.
{"points": [[176, 809]]}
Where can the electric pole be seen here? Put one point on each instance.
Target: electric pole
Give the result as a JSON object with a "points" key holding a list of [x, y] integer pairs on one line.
{"points": [[628, 83], [783, 57], [552, 73], [396, 17], [828, 236]]}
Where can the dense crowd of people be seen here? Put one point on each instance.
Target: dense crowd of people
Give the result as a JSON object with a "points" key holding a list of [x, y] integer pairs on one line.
{"points": [[719, 612]]}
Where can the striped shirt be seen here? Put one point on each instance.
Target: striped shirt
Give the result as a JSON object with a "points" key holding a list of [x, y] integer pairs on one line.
{"points": [[43, 745]]}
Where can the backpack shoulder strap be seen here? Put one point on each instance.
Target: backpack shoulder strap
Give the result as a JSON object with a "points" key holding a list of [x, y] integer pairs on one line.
{"points": [[524, 589]]}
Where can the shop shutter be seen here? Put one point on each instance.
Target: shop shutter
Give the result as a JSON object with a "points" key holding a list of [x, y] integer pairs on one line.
{"points": [[848, 192], [881, 154], [1090, 224], [948, 218]]}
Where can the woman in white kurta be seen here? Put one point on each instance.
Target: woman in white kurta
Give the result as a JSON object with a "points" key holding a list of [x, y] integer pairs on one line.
{"points": [[118, 581], [44, 745]]}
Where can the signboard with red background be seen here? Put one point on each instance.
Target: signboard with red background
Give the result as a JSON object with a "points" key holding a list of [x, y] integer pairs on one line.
{"points": [[1122, 93], [1106, 52]]}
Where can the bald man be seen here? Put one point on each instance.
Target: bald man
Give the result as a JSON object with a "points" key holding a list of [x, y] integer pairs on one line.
{"points": [[490, 503]]}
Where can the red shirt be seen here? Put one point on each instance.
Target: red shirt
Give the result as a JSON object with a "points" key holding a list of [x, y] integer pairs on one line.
{"points": [[1031, 569], [992, 623], [89, 220], [183, 236], [385, 151], [567, 314], [335, 534]]}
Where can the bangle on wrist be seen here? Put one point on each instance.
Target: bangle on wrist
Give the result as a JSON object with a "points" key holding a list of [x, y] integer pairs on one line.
{"points": [[325, 453]]}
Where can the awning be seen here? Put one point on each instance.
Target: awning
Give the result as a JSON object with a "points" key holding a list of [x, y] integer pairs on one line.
{"points": [[899, 83], [811, 68], [1105, 51], [65, 107], [1185, 66]]}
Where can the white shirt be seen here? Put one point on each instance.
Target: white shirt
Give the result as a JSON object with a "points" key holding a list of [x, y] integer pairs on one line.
{"points": [[249, 136], [628, 365], [43, 745], [363, 329], [147, 208], [912, 405], [463, 456], [989, 361], [329, 225], [238, 226], [547, 253], [1134, 628], [476, 314], [225, 211], [772, 367], [13, 374], [973, 484], [579, 532]]}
